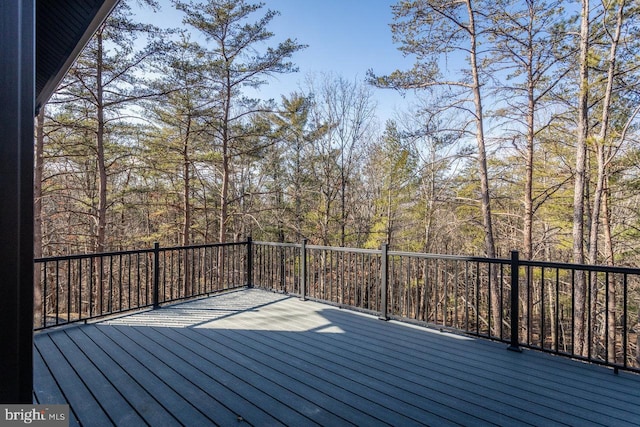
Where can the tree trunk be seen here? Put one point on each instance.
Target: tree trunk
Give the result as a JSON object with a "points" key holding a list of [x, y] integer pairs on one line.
{"points": [[224, 194], [483, 173], [579, 298], [298, 190], [528, 189], [186, 224], [528, 185], [226, 160], [186, 195], [101, 212], [609, 260], [601, 141], [343, 202], [482, 152]]}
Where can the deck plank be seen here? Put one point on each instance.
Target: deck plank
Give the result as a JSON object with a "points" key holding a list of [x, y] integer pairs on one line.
{"points": [[155, 377], [112, 402], [374, 401], [449, 370], [45, 388], [84, 405], [326, 391], [365, 352], [412, 397], [143, 402], [273, 396], [555, 375], [258, 358], [234, 402]]}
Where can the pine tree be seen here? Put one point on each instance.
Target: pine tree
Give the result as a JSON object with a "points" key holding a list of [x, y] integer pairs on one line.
{"points": [[295, 134], [393, 165], [528, 37], [180, 118], [234, 62], [106, 79]]}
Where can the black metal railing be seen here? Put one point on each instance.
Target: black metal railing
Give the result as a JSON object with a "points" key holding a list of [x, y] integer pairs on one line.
{"points": [[586, 312], [81, 287]]}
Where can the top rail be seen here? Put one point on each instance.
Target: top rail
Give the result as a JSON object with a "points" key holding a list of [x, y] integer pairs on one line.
{"points": [[134, 251], [92, 255], [584, 267]]}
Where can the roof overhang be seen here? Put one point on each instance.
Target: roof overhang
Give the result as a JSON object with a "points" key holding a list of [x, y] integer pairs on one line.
{"points": [[63, 29]]}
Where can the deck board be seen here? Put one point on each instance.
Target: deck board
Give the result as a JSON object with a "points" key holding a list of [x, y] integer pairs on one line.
{"points": [[239, 398], [46, 390], [173, 391], [140, 400], [110, 399], [383, 373], [85, 405], [449, 374], [253, 357], [396, 403], [268, 392], [319, 389]]}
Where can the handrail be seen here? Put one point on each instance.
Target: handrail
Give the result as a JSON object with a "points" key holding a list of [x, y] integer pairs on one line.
{"points": [[580, 311], [82, 287], [92, 255]]}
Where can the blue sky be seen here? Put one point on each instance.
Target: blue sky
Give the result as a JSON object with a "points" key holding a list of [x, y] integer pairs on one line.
{"points": [[345, 37]]}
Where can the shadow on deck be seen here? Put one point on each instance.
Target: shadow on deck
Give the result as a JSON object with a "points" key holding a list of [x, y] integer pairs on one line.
{"points": [[259, 358]]}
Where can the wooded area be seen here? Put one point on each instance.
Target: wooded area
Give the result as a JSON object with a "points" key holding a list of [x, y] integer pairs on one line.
{"points": [[525, 137]]}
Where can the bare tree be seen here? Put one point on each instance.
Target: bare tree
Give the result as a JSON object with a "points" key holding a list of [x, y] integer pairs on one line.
{"points": [[433, 31], [346, 110]]}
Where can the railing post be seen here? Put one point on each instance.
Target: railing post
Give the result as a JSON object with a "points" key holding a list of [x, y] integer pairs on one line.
{"points": [[515, 307], [384, 278], [303, 270], [249, 262], [156, 275]]}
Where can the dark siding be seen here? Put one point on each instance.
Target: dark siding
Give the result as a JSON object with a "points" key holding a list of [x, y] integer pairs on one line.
{"points": [[16, 193]]}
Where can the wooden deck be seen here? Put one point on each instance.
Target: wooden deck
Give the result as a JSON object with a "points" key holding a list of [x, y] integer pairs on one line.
{"points": [[259, 358]]}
